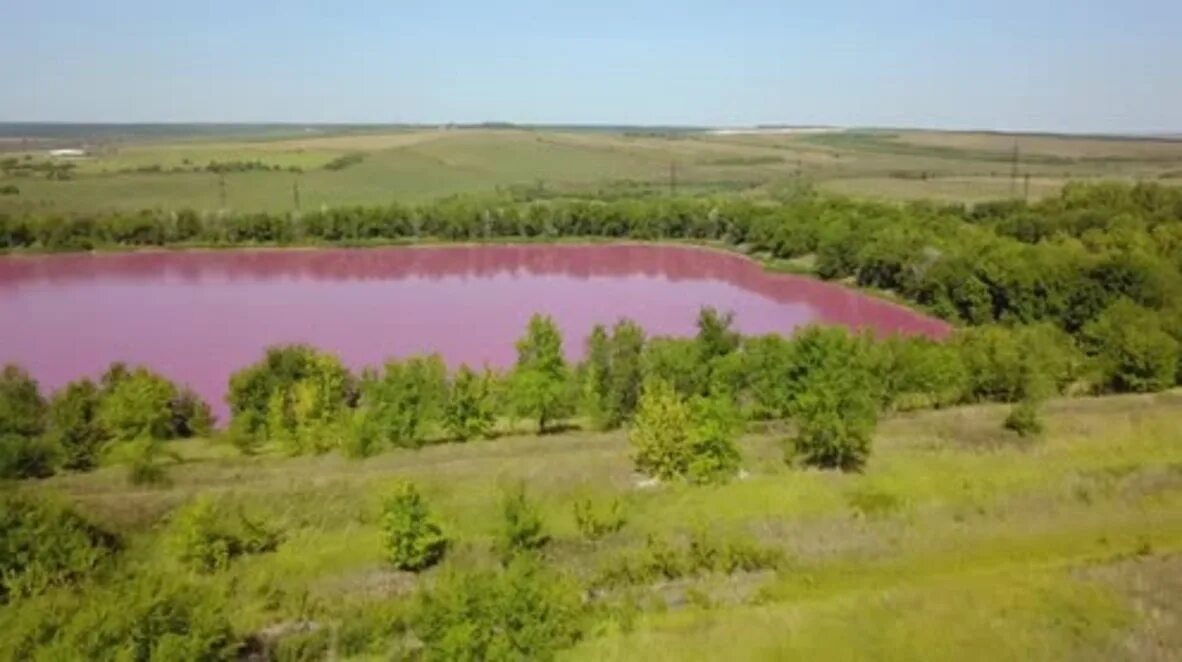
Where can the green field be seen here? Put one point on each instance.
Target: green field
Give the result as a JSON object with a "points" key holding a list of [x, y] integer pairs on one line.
{"points": [[419, 164], [958, 541]]}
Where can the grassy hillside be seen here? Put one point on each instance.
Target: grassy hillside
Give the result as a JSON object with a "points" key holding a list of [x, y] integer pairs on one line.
{"points": [[416, 164], [959, 541]]}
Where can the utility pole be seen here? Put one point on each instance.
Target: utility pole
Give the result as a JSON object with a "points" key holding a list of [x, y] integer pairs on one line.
{"points": [[295, 191], [222, 189], [1014, 171], [1026, 193], [673, 178]]}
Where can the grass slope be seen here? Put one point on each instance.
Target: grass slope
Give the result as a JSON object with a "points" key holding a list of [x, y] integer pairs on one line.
{"points": [[959, 541]]}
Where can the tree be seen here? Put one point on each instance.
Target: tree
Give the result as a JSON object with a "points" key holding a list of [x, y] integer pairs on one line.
{"points": [[712, 454], [716, 340], [524, 612], [468, 412], [660, 431], [540, 381], [292, 391], [411, 539], [613, 373], [1131, 350], [835, 415], [139, 406], [405, 399], [73, 425], [672, 438], [22, 409]]}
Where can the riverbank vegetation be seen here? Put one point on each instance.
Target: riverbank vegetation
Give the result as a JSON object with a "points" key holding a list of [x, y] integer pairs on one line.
{"points": [[662, 497]]}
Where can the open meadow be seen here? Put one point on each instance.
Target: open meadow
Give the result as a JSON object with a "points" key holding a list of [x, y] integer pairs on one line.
{"points": [[959, 540], [282, 169]]}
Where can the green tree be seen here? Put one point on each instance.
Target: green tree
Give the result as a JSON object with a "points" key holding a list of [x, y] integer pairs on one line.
{"points": [[405, 399], [22, 409], [672, 438], [712, 455], [835, 414], [73, 425], [294, 394], [613, 373], [139, 405], [660, 432], [1131, 350], [541, 381], [411, 539], [468, 411], [524, 612]]}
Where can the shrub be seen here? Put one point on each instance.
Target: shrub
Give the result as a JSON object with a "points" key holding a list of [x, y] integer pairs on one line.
{"points": [[45, 544], [525, 612], [1131, 349], [292, 396], [468, 412], [404, 399], [26, 457], [522, 531], [208, 536], [835, 416], [141, 618], [673, 439], [73, 426], [411, 538], [712, 455], [660, 432], [1024, 418], [22, 409], [594, 525]]}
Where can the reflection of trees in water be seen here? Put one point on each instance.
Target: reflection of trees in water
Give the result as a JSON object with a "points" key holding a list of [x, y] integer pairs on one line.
{"points": [[831, 303]]}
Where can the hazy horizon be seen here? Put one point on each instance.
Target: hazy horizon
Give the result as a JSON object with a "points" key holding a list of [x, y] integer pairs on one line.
{"points": [[1052, 67]]}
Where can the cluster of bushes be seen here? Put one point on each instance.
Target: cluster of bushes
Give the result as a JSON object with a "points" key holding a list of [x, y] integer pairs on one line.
{"points": [[345, 161], [129, 411], [28, 167]]}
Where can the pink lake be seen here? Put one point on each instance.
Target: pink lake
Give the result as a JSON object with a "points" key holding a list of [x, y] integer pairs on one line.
{"points": [[197, 316]]}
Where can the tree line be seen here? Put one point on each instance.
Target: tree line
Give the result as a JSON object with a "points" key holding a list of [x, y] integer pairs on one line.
{"points": [[1065, 260], [683, 400]]}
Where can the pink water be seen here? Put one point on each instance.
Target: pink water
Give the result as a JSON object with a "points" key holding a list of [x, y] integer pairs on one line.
{"points": [[198, 316]]}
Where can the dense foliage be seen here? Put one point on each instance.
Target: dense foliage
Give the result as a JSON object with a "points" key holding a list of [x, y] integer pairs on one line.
{"points": [[125, 416], [411, 537]]}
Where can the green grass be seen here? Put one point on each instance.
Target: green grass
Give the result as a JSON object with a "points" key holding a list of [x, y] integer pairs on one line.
{"points": [[959, 541], [423, 164]]}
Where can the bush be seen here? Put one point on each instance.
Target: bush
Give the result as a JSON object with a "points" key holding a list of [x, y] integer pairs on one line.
{"points": [[411, 538], [659, 560], [207, 536], [73, 426], [140, 618], [468, 412], [22, 409], [673, 439], [26, 457], [660, 432], [404, 399], [45, 544], [835, 415], [525, 612], [1024, 418], [522, 531], [292, 396], [594, 525], [1131, 349]]}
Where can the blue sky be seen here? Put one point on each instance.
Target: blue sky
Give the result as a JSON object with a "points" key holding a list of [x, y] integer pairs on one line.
{"points": [[1033, 65]]}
